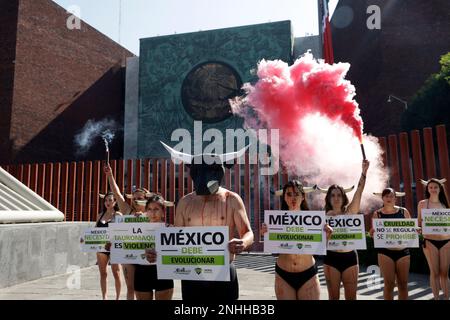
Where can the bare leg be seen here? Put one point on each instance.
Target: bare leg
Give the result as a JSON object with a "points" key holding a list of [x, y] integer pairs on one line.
{"points": [[310, 290], [144, 295], [283, 290], [102, 261], [387, 268], [350, 281], [402, 271], [164, 294], [333, 279], [116, 273], [444, 261], [128, 272], [432, 255]]}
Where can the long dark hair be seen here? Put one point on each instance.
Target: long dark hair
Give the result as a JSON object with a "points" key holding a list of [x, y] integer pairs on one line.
{"points": [[328, 206], [442, 197], [156, 198], [296, 185], [116, 206]]}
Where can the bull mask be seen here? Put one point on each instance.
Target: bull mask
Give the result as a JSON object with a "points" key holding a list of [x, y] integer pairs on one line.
{"points": [[206, 170]]}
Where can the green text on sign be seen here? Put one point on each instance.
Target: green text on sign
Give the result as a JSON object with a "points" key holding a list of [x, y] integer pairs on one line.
{"points": [[295, 237], [138, 245], [194, 260], [347, 236]]}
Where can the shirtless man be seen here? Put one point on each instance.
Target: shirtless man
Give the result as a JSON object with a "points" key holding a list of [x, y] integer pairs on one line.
{"points": [[211, 205]]}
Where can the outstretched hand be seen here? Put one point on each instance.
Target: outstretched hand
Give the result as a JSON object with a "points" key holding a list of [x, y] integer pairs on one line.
{"points": [[107, 170], [150, 254], [236, 246]]}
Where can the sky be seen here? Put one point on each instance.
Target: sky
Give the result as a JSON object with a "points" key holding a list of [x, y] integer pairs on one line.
{"points": [[148, 18]]}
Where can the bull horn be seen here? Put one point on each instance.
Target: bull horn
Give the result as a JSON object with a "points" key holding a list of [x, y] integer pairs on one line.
{"points": [[279, 193], [346, 190], [309, 189], [425, 182], [377, 194], [141, 202], [184, 157], [232, 155], [101, 195], [349, 189], [400, 194], [168, 203], [323, 190]]}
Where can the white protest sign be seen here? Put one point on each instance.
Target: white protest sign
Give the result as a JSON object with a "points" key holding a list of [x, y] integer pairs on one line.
{"points": [[349, 232], [395, 233], [129, 241], [295, 232], [94, 240], [436, 221], [193, 253]]}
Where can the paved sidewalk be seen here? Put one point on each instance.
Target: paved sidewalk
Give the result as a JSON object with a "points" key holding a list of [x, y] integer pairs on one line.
{"points": [[256, 282]]}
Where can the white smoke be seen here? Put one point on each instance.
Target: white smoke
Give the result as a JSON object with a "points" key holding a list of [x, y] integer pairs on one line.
{"points": [[93, 130]]}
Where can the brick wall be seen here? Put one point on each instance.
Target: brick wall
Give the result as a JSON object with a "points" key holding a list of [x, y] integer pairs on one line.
{"points": [[62, 78], [8, 29]]}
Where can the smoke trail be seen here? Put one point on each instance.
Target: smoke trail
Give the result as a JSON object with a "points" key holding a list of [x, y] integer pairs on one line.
{"points": [[312, 105], [90, 133]]}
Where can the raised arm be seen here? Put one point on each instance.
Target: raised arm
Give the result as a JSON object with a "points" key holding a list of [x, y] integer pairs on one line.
{"points": [[354, 206], [123, 205]]}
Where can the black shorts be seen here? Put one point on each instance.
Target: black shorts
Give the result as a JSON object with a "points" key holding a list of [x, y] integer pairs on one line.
{"points": [[211, 291], [146, 279]]}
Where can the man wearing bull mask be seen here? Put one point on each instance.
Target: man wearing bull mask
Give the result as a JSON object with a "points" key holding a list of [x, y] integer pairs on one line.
{"points": [[212, 205]]}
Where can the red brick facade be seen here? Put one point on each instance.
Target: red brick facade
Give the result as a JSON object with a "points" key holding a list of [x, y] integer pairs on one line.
{"points": [[397, 59], [61, 79]]}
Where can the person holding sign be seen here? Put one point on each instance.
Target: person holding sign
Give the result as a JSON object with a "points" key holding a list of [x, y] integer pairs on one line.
{"points": [[212, 205], [342, 265], [137, 207], [436, 247], [145, 277], [108, 214], [393, 262], [296, 274]]}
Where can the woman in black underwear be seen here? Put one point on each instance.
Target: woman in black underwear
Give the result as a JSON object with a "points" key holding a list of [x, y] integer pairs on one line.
{"points": [[145, 277], [393, 262], [342, 266], [108, 214], [137, 207], [296, 275], [436, 247]]}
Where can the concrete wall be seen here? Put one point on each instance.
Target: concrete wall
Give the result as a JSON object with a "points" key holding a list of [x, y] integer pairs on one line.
{"points": [[166, 61], [32, 251], [303, 44], [396, 59], [131, 108]]}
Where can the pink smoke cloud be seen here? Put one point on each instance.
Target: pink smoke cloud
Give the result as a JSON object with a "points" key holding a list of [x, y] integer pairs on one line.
{"points": [[313, 106]]}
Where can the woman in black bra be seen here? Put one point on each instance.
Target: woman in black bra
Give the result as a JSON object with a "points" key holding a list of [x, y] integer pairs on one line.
{"points": [[137, 207], [436, 247], [296, 274], [342, 266], [393, 262], [108, 214], [145, 277]]}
